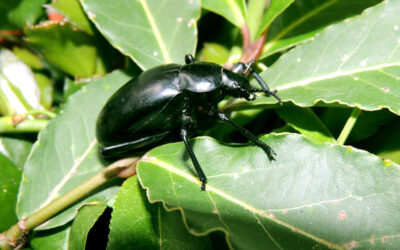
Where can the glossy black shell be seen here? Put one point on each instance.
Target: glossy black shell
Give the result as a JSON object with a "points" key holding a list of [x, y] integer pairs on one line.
{"points": [[149, 108]]}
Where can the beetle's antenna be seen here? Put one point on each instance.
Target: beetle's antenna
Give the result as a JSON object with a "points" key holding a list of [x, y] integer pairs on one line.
{"points": [[267, 91], [249, 66]]}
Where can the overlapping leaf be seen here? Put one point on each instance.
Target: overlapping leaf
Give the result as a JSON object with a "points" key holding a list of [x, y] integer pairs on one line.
{"points": [[233, 10], [72, 50], [73, 12], [311, 196], [84, 221], [150, 32], [27, 12], [306, 122], [347, 63], [274, 10], [71, 236], [16, 150], [66, 153], [137, 225], [19, 91]]}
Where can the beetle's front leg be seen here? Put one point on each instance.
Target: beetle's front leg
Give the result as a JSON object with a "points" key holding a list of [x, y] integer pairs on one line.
{"points": [[223, 117], [196, 164]]}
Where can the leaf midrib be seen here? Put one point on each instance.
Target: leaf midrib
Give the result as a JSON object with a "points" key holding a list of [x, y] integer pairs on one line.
{"points": [[156, 32], [54, 192], [308, 81]]}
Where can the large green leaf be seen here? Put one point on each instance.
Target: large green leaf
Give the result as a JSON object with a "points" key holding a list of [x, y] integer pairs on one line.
{"points": [[10, 177], [347, 64], [312, 195], [233, 10], [150, 32], [71, 50], [66, 153], [19, 91], [135, 224], [304, 18]]}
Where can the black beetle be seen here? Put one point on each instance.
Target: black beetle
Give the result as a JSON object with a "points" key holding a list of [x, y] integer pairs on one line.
{"points": [[167, 101]]}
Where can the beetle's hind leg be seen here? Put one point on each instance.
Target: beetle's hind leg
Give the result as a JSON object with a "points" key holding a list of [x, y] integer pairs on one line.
{"points": [[126, 147], [270, 152], [196, 164]]}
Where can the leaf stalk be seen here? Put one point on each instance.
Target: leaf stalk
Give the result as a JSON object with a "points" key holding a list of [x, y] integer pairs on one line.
{"points": [[349, 126]]}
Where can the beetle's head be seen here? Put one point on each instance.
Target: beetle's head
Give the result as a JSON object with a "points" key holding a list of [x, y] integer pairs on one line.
{"points": [[236, 84], [242, 69]]}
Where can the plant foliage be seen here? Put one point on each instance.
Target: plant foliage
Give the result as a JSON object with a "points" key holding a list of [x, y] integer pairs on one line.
{"points": [[335, 180]]}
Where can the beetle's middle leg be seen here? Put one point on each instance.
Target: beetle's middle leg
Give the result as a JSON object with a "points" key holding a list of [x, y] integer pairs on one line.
{"points": [[184, 136], [250, 136]]}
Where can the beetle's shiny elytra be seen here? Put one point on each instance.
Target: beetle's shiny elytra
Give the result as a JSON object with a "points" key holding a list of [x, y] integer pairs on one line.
{"points": [[164, 103]]}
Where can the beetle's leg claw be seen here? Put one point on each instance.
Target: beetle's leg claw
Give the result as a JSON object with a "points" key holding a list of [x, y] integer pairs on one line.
{"points": [[267, 149], [203, 185], [273, 93], [252, 97]]}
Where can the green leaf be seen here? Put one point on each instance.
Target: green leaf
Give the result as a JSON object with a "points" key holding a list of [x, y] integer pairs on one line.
{"points": [[19, 91], [46, 89], [26, 13], [214, 52], [311, 195], [346, 64], [71, 50], [10, 177], [304, 18], [136, 224], [149, 32], [84, 221], [306, 122], [32, 60], [73, 12], [66, 153], [274, 10], [16, 150], [233, 10]]}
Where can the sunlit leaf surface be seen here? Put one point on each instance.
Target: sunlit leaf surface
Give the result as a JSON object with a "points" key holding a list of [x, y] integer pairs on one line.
{"points": [[347, 63], [150, 32], [311, 196]]}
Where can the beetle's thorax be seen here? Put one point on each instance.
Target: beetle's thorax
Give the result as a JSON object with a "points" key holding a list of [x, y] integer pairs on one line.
{"points": [[201, 83]]}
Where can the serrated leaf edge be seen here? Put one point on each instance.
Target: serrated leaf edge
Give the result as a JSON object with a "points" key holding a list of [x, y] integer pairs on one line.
{"points": [[209, 188]]}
